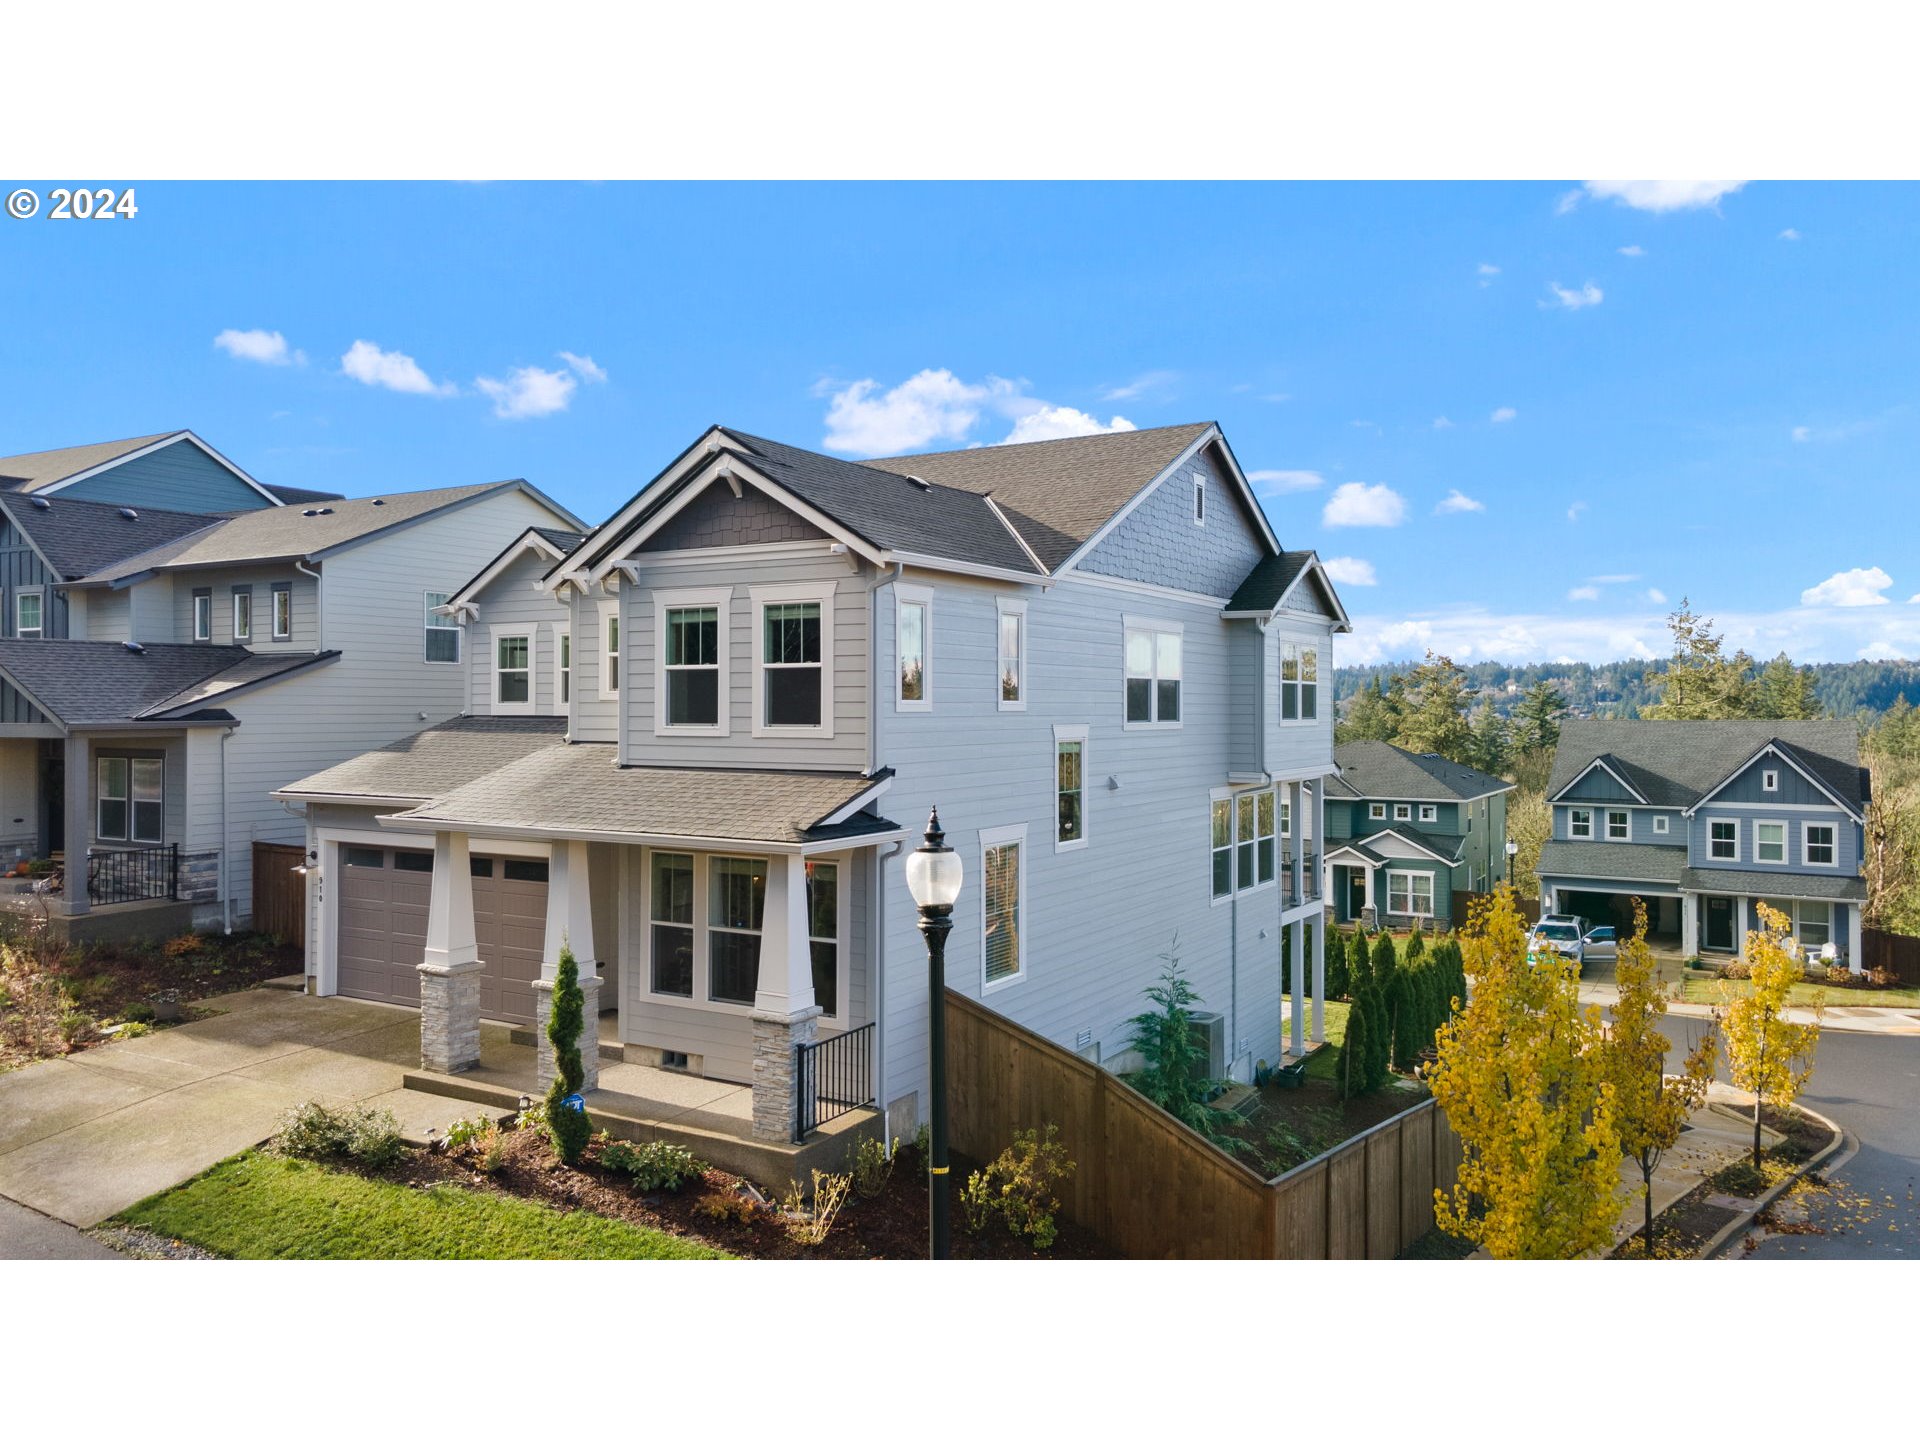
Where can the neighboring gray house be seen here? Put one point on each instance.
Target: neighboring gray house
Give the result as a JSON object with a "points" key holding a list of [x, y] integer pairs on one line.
{"points": [[179, 640], [1406, 831], [698, 743], [1702, 819]]}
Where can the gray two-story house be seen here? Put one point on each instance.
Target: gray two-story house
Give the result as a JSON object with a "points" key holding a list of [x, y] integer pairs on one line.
{"points": [[1703, 820], [1406, 832], [698, 743], [181, 639]]}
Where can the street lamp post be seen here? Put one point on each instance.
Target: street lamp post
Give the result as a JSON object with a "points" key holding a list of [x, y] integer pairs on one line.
{"points": [[1513, 849], [933, 879]]}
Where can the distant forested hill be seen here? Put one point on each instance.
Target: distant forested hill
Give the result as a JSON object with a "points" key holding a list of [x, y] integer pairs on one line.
{"points": [[1619, 689]]}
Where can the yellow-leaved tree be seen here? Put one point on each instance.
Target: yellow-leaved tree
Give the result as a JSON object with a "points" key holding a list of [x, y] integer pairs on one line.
{"points": [[1522, 1076], [1767, 1053], [1650, 1107]]}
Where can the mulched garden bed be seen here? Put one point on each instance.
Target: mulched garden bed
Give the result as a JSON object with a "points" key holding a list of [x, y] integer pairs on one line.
{"points": [[1290, 1126], [55, 1000], [890, 1226]]}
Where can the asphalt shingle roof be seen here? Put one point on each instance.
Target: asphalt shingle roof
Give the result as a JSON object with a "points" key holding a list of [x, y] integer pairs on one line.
{"points": [[566, 541], [1268, 580], [1676, 762], [30, 472], [1612, 860], [438, 760], [1375, 769], [100, 682], [288, 532], [575, 788], [79, 537], [296, 495], [1773, 883]]}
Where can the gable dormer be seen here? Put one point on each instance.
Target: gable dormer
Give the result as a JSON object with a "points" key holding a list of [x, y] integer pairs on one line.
{"points": [[175, 470], [1779, 774], [1603, 780], [1193, 529]]}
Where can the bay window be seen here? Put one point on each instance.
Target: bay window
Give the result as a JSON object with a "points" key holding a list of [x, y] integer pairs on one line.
{"points": [[1245, 855]]}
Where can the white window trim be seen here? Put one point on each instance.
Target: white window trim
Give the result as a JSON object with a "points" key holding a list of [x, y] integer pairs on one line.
{"points": [[100, 797], [1806, 844], [1402, 811], [720, 599], [903, 596], [1785, 839], [1200, 500], [1573, 811], [495, 634], [38, 632], [1733, 859], [761, 596], [1281, 852], [562, 669], [1002, 606], [1429, 814], [989, 839], [274, 597], [1066, 734], [239, 593], [1149, 625], [1411, 877], [1770, 782], [607, 610], [427, 618], [1299, 649], [205, 636], [1660, 826], [1376, 809], [1607, 832]]}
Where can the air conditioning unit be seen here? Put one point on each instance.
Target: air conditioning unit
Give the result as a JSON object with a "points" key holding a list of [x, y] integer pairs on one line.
{"points": [[1209, 1030]]}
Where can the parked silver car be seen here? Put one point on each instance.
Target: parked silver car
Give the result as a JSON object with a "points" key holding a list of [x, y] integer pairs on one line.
{"points": [[1602, 942], [1562, 935]]}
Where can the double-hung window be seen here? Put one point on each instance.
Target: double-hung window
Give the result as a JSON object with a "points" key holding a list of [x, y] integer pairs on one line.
{"points": [[1819, 844], [1409, 892], [443, 631], [1580, 824], [1244, 854], [913, 636], [736, 904], [1723, 840], [242, 613], [823, 933], [609, 649], [1619, 825], [29, 614], [203, 614], [1299, 682], [1003, 893], [130, 797], [282, 619], [512, 671], [692, 640], [1070, 786], [793, 646], [1153, 663], [671, 922], [1770, 842], [1011, 616]]}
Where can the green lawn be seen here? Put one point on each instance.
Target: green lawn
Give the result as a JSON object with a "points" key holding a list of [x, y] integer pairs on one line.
{"points": [[1705, 990], [264, 1207], [1323, 1065]]}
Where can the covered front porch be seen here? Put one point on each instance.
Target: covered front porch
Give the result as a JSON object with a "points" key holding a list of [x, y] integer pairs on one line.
{"points": [[1820, 927]]}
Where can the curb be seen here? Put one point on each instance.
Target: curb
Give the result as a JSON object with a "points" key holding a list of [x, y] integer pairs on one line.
{"points": [[1712, 1248]]}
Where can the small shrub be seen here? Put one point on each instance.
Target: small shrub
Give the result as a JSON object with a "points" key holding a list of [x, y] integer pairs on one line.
{"points": [[923, 1142], [567, 1120], [373, 1137], [873, 1167], [138, 1013], [494, 1151], [1736, 970], [1024, 1183], [976, 1202], [314, 1132], [728, 1205], [463, 1133], [656, 1165], [1879, 977], [182, 947], [132, 1030], [811, 1224]]}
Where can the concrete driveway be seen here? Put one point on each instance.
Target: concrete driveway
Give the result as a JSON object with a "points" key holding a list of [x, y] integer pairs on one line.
{"points": [[85, 1136]]}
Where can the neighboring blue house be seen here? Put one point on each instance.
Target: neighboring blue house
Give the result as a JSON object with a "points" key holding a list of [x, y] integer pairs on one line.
{"points": [[1703, 819]]}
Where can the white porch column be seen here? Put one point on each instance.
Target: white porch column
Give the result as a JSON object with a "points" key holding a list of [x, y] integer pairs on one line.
{"points": [[569, 923], [1319, 976], [78, 805], [1318, 812], [1296, 846], [1689, 924], [1852, 937], [1740, 907], [785, 1016], [1296, 958], [450, 970]]}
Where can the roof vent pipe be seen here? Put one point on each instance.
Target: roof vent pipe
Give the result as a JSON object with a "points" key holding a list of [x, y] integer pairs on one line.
{"points": [[127, 512], [40, 502]]}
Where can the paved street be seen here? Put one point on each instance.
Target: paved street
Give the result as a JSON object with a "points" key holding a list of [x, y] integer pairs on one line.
{"points": [[1870, 1086]]}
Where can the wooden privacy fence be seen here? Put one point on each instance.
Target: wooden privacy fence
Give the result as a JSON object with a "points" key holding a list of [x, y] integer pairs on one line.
{"points": [[1883, 950], [279, 895], [1153, 1189]]}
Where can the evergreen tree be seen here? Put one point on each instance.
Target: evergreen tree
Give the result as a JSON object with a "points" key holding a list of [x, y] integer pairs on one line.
{"points": [[1416, 945], [1490, 740], [1172, 1076], [1434, 714], [571, 1127], [1382, 978], [1701, 681], [1784, 691], [1354, 1066], [1338, 983], [1536, 719], [1370, 716]]}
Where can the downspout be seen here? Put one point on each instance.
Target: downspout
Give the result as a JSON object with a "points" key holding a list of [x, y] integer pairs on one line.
{"points": [[877, 910], [873, 648], [226, 840], [319, 608]]}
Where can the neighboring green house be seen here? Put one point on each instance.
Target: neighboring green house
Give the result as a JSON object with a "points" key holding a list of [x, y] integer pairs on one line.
{"points": [[1405, 831]]}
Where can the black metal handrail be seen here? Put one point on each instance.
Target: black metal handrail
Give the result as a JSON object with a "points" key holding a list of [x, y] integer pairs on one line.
{"points": [[831, 1077], [120, 877]]}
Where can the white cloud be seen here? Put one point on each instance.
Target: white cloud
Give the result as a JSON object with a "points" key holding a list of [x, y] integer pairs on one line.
{"points": [[1153, 381], [583, 366], [1569, 202], [1285, 482], [1584, 592], [1062, 422], [937, 407], [1881, 650], [1611, 579], [1657, 595], [1488, 270], [1663, 195], [1440, 422], [1850, 588], [390, 370], [528, 392], [1632, 252], [1576, 510], [1346, 570], [1565, 299], [1789, 234], [1458, 504], [1504, 414], [263, 347], [1802, 433], [1358, 504]]}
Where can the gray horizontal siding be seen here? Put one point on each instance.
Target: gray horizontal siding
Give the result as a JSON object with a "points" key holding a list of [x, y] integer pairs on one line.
{"points": [[260, 579], [512, 602], [1846, 834], [1639, 824]]}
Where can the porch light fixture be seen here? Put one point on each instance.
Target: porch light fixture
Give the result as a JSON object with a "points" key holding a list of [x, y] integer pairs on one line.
{"points": [[933, 879], [1513, 849]]}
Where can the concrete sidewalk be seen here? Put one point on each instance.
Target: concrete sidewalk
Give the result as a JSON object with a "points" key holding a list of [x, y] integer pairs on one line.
{"points": [[28, 1235], [85, 1136], [1864, 1019]]}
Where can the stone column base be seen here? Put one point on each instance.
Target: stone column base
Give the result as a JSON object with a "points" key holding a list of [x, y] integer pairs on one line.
{"points": [[775, 1037], [450, 1016], [543, 1067]]}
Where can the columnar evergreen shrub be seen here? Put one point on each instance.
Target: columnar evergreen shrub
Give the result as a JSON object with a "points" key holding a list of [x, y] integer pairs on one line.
{"points": [[570, 1127], [1382, 991], [1338, 981], [1415, 946], [1353, 1052]]}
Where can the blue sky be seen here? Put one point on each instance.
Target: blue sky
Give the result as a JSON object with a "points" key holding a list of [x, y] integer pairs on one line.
{"points": [[1635, 394]]}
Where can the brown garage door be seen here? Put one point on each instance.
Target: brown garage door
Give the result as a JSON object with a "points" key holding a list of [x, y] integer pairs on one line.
{"points": [[382, 930]]}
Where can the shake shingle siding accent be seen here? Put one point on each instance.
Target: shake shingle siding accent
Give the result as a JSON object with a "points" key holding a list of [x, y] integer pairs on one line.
{"points": [[1158, 543], [719, 518]]}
